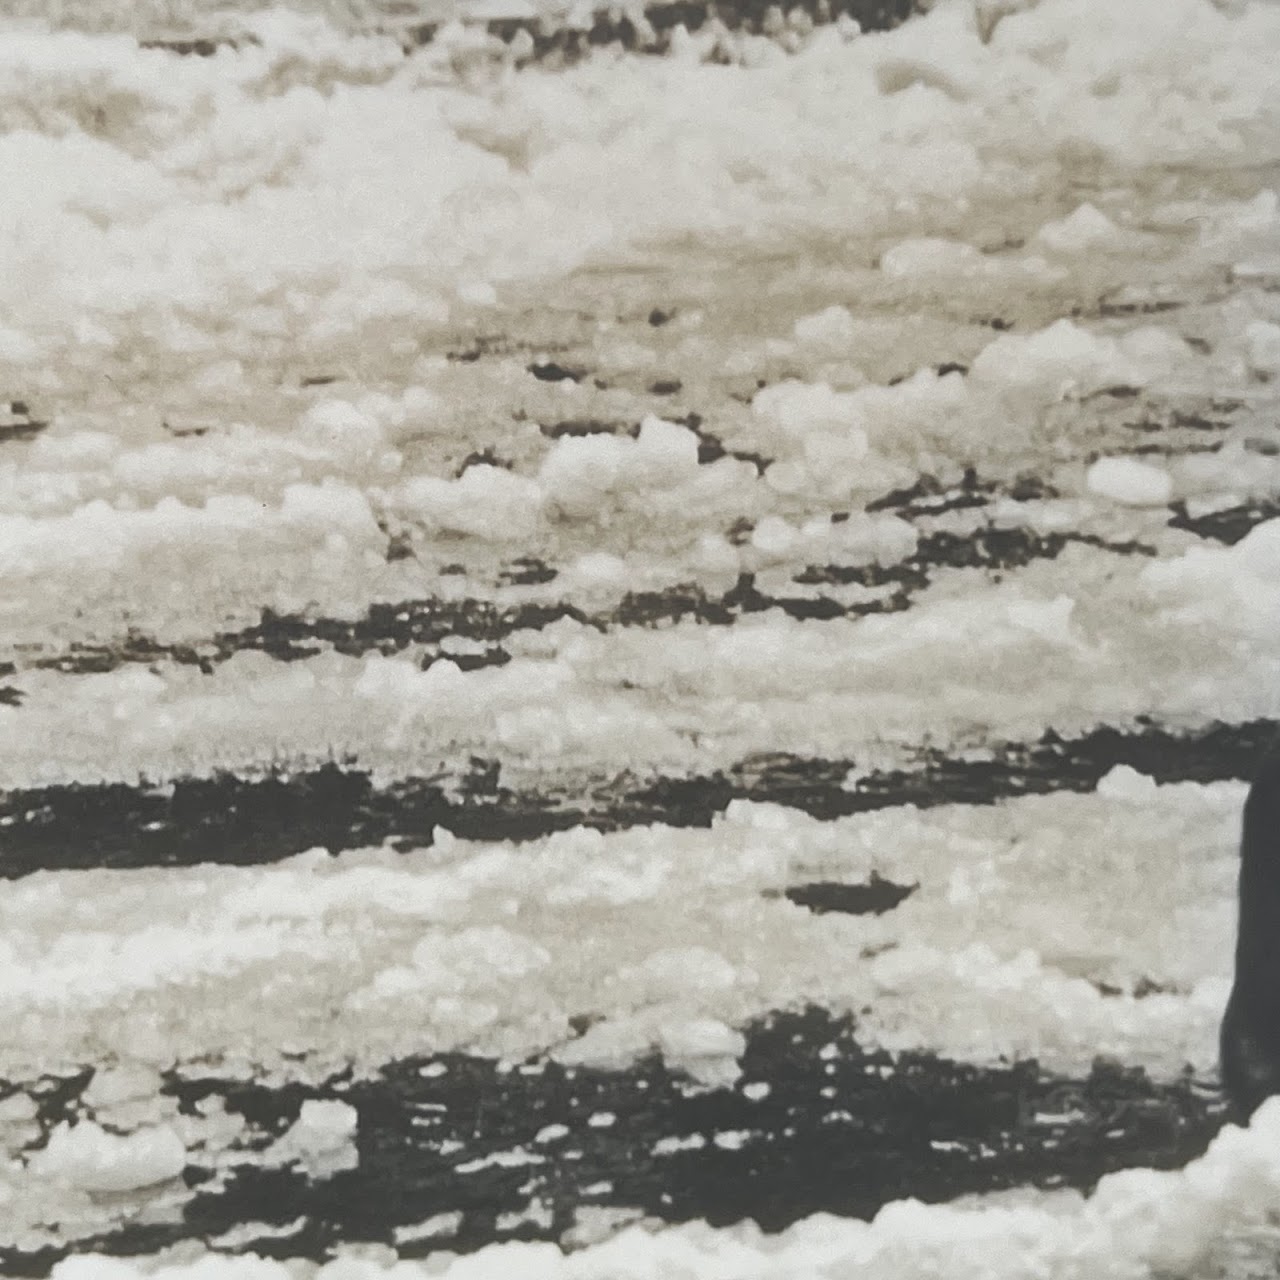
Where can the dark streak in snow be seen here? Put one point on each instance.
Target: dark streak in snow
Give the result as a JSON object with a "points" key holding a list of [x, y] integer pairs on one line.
{"points": [[198, 48], [875, 897], [255, 820], [552, 372], [827, 1127], [480, 458], [1151, 307], [1228, 525], [990, 548], [389, 628], [21, 426], [931, 497], [385, 628], [583, 427], [551, 39], [540, 40], [527, 571]]}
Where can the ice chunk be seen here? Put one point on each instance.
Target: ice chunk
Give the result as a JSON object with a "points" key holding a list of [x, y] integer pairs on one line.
{"points": [[1262, 340], [1126, 783], [17, 347], [1216, 583], [578, 470], [931, 256], [701, 1038], [774, 536], [1048, 619], [832, 328], [666, 448], [1062, 357], [485, 501], [1086, 228], [799, 407], [111, 1086], [439, 1224], [689, 969], [342, 429], [321, 1141], [86, 1156], [1128, 481], [598, 570]]}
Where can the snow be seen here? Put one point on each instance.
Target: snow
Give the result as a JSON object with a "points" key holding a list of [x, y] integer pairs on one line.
{"points": [[627, 698], [277, 309], [89, 1158], [484, 502], [113, 1086], [1067, 359], [832, 327], [321, 1140], [296, 200], [799, 407], [1087, 228], [1125, 783], [1128, 481], [929, 256], [1263, 340], [1206, 581], [1138, 1222], [440, 1224], [1005, 949]]}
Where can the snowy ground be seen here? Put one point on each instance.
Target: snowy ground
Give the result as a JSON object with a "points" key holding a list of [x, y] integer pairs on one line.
{"points": [[595, 646]]}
